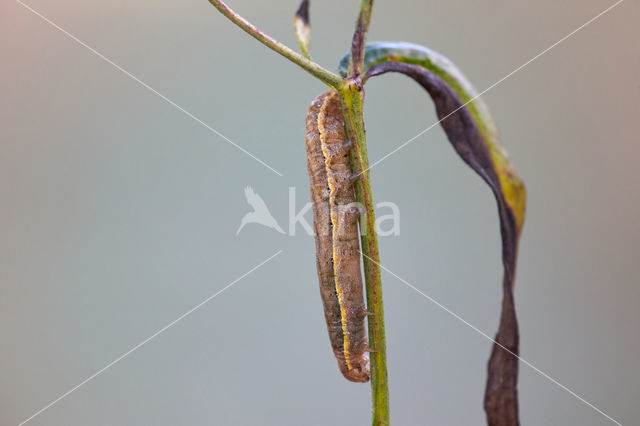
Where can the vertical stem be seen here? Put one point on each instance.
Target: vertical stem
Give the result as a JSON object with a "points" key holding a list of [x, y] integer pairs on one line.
{"points": [[359, 39], [352, 96]]}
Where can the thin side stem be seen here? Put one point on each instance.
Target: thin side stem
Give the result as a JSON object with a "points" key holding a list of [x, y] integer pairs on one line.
{"points": [[352, 96], [332, 80]]}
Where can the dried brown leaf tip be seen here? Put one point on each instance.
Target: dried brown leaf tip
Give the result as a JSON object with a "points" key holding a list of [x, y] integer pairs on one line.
{"points": [[302, 27]]}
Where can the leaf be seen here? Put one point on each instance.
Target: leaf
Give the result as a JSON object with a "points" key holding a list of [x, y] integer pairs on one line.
{"points": [[302, 27], [473, 134]]}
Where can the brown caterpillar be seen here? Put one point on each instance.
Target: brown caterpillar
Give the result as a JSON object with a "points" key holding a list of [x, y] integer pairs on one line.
{"points": [[335, 222]]}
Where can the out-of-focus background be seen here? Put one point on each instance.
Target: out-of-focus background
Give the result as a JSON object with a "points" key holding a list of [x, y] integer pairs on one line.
{"points": [[118, 213]]}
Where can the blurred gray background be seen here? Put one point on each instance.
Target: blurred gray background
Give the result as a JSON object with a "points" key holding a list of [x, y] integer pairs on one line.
{"points": [[118, 213]]}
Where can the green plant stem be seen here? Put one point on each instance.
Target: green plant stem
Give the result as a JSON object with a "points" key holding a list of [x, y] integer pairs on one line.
{"points": [[359, 39], [352, 96], [332, 80]]}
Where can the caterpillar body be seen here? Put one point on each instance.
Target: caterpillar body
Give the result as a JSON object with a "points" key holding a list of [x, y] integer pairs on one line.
{"points": [[335, 221]]}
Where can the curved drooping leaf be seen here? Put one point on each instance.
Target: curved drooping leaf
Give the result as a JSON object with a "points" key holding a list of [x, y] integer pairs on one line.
{"points": [[472, 132], [410, 53]]}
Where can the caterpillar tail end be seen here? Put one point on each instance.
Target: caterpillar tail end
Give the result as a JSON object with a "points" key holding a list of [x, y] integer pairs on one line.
{"points": [[359, 371]]}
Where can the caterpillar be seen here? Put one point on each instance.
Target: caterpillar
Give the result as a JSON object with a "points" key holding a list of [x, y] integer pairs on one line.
{"points": [[335, 223]]}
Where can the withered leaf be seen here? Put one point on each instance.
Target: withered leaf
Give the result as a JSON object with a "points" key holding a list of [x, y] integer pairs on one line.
{"points": [[485, 156]]}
